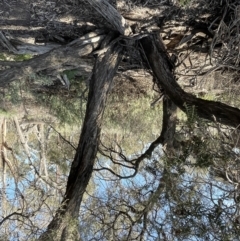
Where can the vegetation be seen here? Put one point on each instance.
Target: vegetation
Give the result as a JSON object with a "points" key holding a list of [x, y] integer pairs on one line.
{"points": [[12, 57], [131, 122], [113, 133]]}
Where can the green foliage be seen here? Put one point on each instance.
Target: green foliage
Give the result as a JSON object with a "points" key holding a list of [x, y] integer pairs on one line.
{"points": [[184, 2], [64, 104], [41, 79], [13, 94], [67, 110], [204, 160], [133, 120], [54, 156], [22, 57], [59, 153], [14, 57], [191, 114], [71, 74], [6, 113]]}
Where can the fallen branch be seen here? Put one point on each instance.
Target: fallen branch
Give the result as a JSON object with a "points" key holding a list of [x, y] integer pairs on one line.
{"points": [[52, 59]]}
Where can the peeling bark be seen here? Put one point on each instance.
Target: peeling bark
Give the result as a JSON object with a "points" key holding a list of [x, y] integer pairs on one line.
{"points": [[111, 15]]}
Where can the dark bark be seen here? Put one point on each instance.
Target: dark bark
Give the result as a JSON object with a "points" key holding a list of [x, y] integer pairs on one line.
{"points": [[55, 58], [162, 68], [111, 15], [82, 166], [168, 129]]}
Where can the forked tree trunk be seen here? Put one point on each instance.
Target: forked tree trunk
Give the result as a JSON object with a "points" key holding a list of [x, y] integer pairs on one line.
{"points": [[162, 68], [64, 225], [161, 65]]}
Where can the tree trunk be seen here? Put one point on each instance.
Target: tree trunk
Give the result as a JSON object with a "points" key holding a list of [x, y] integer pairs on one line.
{"points": [[162, 68], [64, 225], [111, 15]]}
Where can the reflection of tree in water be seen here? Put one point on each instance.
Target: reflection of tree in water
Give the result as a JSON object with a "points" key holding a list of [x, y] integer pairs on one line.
{"points": [[181, 186], [31, 178]]}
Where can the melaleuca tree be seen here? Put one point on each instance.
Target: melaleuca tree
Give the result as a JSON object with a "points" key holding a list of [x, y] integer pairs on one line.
{"points": [[168, 193]]}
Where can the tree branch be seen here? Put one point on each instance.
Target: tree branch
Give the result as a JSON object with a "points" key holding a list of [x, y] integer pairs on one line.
{"points": [[162, 68], [53, 59]]}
